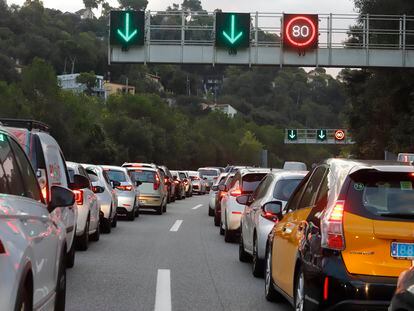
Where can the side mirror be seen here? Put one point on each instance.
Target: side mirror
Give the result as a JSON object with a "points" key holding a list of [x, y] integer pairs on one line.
{"points": [[138, 183], [80, 182], [115, 183], [98, 189], [215, 188], [243, 199], [205, 178], [222, 187], [60, 197], [275, 208]]}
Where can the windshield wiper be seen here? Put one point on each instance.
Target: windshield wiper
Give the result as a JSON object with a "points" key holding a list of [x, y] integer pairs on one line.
{"points": [[397, 215]]}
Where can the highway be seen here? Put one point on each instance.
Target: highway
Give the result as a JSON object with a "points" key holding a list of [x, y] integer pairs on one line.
{"points": [[177, 261]]}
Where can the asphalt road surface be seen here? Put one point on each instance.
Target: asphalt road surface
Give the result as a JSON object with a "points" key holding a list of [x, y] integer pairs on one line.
{"points": [[177, 261]]}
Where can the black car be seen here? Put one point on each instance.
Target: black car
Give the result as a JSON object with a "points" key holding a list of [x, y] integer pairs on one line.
{"points": [[403, 299]]}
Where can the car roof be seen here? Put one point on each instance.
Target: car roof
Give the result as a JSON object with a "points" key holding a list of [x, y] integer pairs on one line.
{"points": [[209, 168], [137, 164], [283, 174], [351, 165], [252, 170], [134, 168], [115, 168]]}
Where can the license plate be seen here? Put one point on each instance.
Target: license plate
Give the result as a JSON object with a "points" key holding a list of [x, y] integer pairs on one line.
{"points": [[142, 201], [402, 250]]}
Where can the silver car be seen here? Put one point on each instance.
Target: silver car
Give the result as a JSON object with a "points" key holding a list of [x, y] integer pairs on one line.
{"points": [[106, 194], [188, 186], [210, 175], [258, 218], [127, 191], [153, 192], [213, 193]]}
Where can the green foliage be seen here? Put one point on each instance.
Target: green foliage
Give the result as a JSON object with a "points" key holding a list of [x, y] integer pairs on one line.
{"points": [[88, 79], [133, 4]]}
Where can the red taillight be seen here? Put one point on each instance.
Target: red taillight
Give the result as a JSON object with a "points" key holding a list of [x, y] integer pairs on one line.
{"points": [[165, 180], [326, 289], [222, 194], [235, 192], [236, 213], [332, 227], [78, 196], [44, 193], [269, 216], [124, 188], [2, 249], [157, 182]]}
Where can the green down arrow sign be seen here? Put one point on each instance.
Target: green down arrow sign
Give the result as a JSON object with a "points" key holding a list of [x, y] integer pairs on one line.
{"points": [[127, 28], [233, 38], [321, 135], [232, 30], [126, 35]]}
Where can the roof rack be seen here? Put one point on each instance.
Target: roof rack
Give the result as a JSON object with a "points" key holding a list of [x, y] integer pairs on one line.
{"points": [[27, 124]]}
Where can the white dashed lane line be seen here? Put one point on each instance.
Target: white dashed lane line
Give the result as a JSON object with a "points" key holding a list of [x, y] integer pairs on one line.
{"points": [[176, 226], [163, 292], [197, 206]]}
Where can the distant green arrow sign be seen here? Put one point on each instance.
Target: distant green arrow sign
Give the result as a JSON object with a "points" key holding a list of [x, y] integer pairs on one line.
{"points": [[126, 35], [233, 37], [321, 135], [292, 134]]}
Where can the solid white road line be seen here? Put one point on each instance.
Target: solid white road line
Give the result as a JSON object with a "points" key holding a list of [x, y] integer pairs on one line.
{"points": [[198, 206], [163, 293], [176, 226]]}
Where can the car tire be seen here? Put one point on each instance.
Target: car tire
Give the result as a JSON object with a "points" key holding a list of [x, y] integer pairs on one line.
{"points": [[106, 226], [131, 215], [210, 211], [216, 219], [221, 229], [82, 242], [164, 209], [159, 210], [24, 301], [137, 212], [228, 235], [271, 293], [115, 221], [257, 263], [243, 255], [301, 291], [70, 257], [61, 286], [97, 235]]}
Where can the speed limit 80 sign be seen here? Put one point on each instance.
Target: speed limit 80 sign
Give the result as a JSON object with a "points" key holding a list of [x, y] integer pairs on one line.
{"points": [[300, 31]]}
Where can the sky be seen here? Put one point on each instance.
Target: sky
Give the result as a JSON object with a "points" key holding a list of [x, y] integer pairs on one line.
{"points": [[272, 6]]}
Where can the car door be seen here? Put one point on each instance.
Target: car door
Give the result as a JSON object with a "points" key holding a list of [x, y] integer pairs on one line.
{"points": [[91, 200], [289, 231], [36, 222]]}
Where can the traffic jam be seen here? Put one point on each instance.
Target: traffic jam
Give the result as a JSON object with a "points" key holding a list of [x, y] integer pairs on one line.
{"points": [[339, 236]]}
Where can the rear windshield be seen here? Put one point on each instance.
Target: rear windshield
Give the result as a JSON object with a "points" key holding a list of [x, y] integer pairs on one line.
{"points": [[383, 194], [143, 176], [284, 188], [208, 172], [406, 157], [251, 181], [116, 175], [182, 176]]}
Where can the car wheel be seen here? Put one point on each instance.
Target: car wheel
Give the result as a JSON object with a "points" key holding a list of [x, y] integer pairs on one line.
{"points": [[114, 221], [106, 226], [301, 291], [96, 236], [70, 257], [221, 229], [228, 235], [271, 293], [24, 301], [137, 212], [82, 242], [131, 215], [216, 219], [159, 210], [164, 209], [257, 263], [61, 287], [210, 211], [243, 255]]}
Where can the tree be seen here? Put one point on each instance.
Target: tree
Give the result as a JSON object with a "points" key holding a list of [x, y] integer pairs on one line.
{"points": [[133, 4], [249, 149], [91, 4], [89, 80]]}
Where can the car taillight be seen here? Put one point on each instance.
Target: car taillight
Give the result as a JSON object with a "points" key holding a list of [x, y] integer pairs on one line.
{"points": [[165, 180], [78, 196], [332, 227], [222, 194], [269, 216], [235, 192], [124, 188], [2, 249], [157, 182], [44, 193]]}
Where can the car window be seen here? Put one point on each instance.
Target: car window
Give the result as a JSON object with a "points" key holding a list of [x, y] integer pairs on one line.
{"points": [[251, 181], [12, 176], [261, 190], [116, 175], [296, 196], [205, 172], [311, 190], [71, 173], [143, 176], [284, 188], [82, 171]]}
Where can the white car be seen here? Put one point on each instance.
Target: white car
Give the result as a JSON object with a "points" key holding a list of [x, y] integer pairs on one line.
{"points": [[106, 194], [33, 238], [259, 218], [127, 191], [245, 181], [49, 164], [87, 223], [210, 175], [199, 184], [213, 193]]}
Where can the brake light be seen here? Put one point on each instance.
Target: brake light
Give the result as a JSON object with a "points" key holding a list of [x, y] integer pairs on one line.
{"points": [[157, 182], [332, 227], [165, 180], [124, 188], [326, 289], [2, 248], [236, 213], [222, 194], [269, 216], [78, 196], [235, 192], [44, 193]]}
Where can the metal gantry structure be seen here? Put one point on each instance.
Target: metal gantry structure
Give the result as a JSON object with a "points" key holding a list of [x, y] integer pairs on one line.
{"points": [[318, 137], [345, 40]]}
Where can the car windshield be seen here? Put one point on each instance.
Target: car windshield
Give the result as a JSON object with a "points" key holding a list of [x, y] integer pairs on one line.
{"points": [[204, 172], [143, 176], [251, 181], [182, 176], [284, 188], [383, 193], [116, 175]]}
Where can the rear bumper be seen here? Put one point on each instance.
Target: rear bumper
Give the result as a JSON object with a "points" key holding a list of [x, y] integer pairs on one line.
{"points": [[126, 202], [149, 201], [233, 221]]}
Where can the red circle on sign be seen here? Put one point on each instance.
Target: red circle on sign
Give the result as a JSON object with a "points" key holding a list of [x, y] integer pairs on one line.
{"points": [[289, 29], [339, 135]]}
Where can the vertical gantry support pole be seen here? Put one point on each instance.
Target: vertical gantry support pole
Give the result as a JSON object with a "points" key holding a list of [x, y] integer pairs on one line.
{"points": [[109, 41], [281, 56], [147, 38], [214, 39], [367, 41], [256, 37], [404, 41], [182, 35], [330, 26]]}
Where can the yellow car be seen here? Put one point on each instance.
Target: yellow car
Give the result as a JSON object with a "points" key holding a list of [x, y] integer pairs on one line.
{"points": [[344, 237]]}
